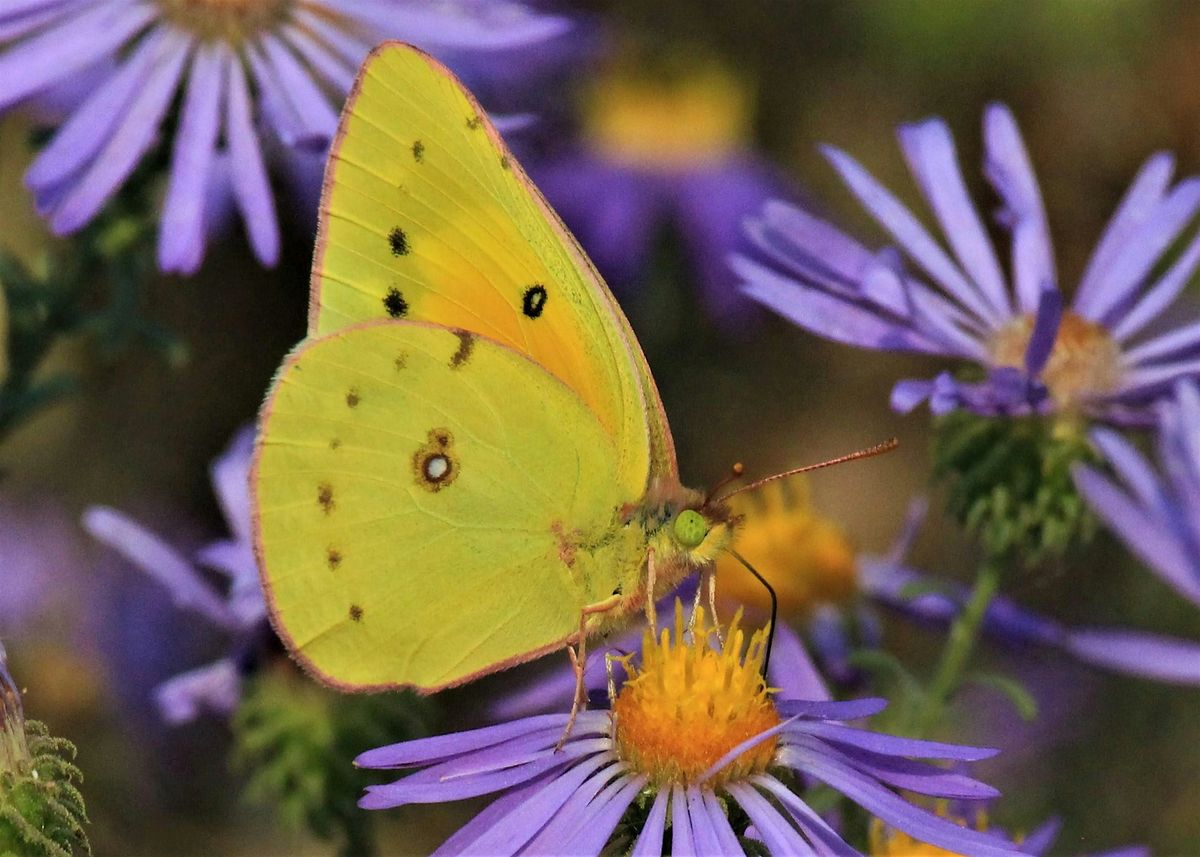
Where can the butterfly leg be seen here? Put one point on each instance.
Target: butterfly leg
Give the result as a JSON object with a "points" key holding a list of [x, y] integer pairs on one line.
{"points": [[578, 657], [695, 607], [712, 604], [651, 609]]}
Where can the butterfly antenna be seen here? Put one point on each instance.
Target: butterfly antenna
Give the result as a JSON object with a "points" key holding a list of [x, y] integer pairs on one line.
{"points": [[774, 606], [869, 452], [735, 473]]}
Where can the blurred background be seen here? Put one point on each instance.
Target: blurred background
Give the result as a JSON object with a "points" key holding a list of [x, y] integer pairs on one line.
{"points": [[1097, 86]]}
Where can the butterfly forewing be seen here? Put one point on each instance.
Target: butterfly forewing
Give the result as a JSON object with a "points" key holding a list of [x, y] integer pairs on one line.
{"points": [[426, 216]]}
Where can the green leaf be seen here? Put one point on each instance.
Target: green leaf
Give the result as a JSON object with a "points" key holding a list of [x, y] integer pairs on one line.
{"points": [[1020, 697]]}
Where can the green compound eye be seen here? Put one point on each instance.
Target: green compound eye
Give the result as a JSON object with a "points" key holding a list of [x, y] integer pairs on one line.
{"points": [[690, 528]]}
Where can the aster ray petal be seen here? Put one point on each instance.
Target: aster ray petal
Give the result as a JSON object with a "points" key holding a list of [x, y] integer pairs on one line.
{"points": [[336, 72], [650, 841], [229, 475], [1040, 840], [944, 328], [419, 788], [441, 747], [158, 560], [494, 25], [908, 394], [461, 840], [853, 709], [1179, 343], [749, 744], [1145, 380], [132, 138], [727, 841], [906, 774], [610, 805], [792, 669], [52, 56], [15, 8], [810, 247], [342, 42], [1007, 167], [826, 315], [181, 233], [932, 158], [276, 108], [579, 810], [1152, 656], [902, 815], [511, 832], [216, 687], [1131, 466], [15, 24], [1139, 254], [1159, 296], [82, 136], [1146, 536], [890, 745], [778, 834], [682, 840], [824, 838], [510, 754], [300, 91], [1140, 201], [904, 227], [251, 188], [1045, 331], [704, 835]]}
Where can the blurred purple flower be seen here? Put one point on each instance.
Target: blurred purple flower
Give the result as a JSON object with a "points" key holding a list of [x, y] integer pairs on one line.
{"points": [[886, 842], [572, 800], [887, 580], [1157, 516], [1095, 357], [240, 612], [656, 156], [41, 563], [247, 73]]}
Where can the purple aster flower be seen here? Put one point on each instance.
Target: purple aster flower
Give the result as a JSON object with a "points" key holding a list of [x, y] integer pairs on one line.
{"points": [[1156, 515], [660, 155], [1097, 357], [818, 577], [692, 730], [888, 842], [247, 73], [240, 611], [41, 561]]}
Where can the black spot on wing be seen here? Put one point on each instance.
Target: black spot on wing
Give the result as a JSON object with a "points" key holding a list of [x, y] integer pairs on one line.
{"points": [[434, 464], [474, 123], [334, 558], [533, 302], [356, 613], [466, 342], [418, 150], [325, 497], [353, 397], [504, 163], [394, 302], [398, 242]]}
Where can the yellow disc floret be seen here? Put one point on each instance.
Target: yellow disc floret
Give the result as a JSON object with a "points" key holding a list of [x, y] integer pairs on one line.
{"points": [[690, 702], [1085, 361], [231, 21], [698, 116]]}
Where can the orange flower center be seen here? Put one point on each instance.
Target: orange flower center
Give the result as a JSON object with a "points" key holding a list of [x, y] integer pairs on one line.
{"points": [[1085, 360], [805, 556], [679, 122], [232, 21], [689, 704]]}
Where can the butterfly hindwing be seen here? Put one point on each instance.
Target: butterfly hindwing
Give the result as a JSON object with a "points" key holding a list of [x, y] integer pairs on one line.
{"points": [[423, 495], [427, 216]]}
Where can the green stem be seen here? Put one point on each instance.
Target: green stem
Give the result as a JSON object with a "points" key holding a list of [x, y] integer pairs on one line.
{"points": [[964, 634]]}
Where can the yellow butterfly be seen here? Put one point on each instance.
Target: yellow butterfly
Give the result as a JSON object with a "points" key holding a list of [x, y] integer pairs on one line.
{"points": [[466, 465]]}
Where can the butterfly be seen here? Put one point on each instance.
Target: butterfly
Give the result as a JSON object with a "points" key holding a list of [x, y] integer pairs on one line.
{"points": [[466, 464]]}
